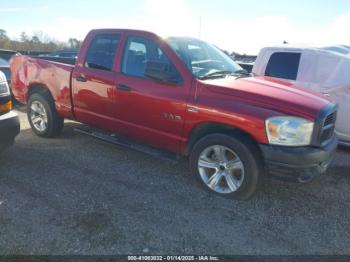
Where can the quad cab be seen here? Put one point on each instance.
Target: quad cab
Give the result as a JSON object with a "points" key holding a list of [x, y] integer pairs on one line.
{"points": [[185, 96]]}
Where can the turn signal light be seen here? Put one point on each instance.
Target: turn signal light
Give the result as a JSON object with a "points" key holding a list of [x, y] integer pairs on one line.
{"points": [[4, 108]]}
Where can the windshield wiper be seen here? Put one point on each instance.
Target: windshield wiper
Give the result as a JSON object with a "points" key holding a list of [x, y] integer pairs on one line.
{"points": [[216, 74], [242, 72]]}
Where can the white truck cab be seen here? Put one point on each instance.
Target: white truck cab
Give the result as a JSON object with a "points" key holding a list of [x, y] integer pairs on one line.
{"points": [[324, 70]]}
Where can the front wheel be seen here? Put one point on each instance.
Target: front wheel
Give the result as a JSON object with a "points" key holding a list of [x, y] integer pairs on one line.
{"points": [[42, 115], [226, 165]]}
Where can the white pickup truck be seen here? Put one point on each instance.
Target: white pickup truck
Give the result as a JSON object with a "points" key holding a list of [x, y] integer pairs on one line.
{"points": [[324, 70]]}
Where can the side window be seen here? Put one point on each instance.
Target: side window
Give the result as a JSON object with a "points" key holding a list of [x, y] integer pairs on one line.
{"points": [[134, 60], [283, 65], [138, 52], [102, 51]]}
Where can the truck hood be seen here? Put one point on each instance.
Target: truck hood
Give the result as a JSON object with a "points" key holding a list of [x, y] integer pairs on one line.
{"points": [[273, 94]]}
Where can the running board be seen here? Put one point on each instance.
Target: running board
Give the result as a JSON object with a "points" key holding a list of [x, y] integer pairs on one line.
{"points": [[113, 139]]}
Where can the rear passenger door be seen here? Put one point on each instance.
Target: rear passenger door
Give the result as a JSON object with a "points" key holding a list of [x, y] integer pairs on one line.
{"points": [[94, 82]]}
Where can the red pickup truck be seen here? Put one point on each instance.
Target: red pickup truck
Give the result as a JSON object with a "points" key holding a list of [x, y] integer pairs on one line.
{"points": [[185, 96]]}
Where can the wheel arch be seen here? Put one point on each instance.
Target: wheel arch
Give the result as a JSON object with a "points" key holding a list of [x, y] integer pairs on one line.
{"points": [[209, 128], [39, 88], [54, 122]]}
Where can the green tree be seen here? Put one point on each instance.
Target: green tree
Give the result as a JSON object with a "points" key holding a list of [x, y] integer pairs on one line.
{"points": [[4, 39], [74, 43], [35, 39], [38, 41], [24, 37], [3, 35]]}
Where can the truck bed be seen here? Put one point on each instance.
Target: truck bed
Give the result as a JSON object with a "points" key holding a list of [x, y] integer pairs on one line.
{"points": [[27, 72]]}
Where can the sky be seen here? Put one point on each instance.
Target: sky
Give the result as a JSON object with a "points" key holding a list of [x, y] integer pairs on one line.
{"points": [[242, 26]]}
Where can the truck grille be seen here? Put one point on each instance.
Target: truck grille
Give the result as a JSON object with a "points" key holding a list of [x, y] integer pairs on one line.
{"points": [[330, 119], [328, 128]]}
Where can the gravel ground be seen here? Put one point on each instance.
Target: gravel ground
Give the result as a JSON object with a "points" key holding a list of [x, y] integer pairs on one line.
{"points": [[78, 195]]}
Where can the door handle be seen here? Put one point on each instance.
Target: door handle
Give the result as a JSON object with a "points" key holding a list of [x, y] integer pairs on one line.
{"points": [[81, 78], [124, 88]]}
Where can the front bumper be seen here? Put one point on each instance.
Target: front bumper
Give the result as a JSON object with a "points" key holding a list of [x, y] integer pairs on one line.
{"points": [[299, 164], [9, 129]]}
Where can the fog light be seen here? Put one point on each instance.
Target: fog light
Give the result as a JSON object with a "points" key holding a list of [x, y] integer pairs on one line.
{"points": [[4, 108]]}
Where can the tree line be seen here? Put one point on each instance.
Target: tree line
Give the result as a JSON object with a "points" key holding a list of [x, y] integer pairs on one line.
{"points": [[38, 42]]}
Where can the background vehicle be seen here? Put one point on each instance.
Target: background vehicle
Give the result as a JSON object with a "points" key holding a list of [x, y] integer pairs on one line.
{"points": [[245, 61], [7, 54], [324, 70], [185, 96], [5, 68], [9, 122], [64, 54]]}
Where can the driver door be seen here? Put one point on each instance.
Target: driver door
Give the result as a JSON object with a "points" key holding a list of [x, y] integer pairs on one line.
{"points": [[152, 111]]}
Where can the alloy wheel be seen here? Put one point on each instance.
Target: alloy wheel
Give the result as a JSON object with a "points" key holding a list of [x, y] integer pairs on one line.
{"points": [[221, 169], [38, 116]]}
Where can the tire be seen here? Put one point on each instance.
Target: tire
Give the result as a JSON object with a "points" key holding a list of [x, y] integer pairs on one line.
{"points": [[241, 172], [42, 115]]}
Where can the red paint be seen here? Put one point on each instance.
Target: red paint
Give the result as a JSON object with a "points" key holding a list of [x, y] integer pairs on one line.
{"points": [[243, 103]]}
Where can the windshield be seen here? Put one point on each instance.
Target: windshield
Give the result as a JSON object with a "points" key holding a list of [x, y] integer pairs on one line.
{"points": [[202, 59]]}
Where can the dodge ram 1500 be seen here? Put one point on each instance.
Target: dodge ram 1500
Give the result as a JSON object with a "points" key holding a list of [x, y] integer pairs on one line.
{"points": [[186, 96]]}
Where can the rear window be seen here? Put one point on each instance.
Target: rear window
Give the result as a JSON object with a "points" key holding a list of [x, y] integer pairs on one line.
{"points": [[283, 65], [102, 51]]}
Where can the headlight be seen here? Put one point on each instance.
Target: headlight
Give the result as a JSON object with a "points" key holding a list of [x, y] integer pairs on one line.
{"points": [[289, 131], [4, 89]]}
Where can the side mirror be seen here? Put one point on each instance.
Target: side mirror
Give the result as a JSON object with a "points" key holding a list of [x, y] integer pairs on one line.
{"points": [[161, 72]]}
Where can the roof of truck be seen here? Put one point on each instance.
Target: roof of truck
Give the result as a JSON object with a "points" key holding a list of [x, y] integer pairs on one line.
{"points": [[121, 30]]}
